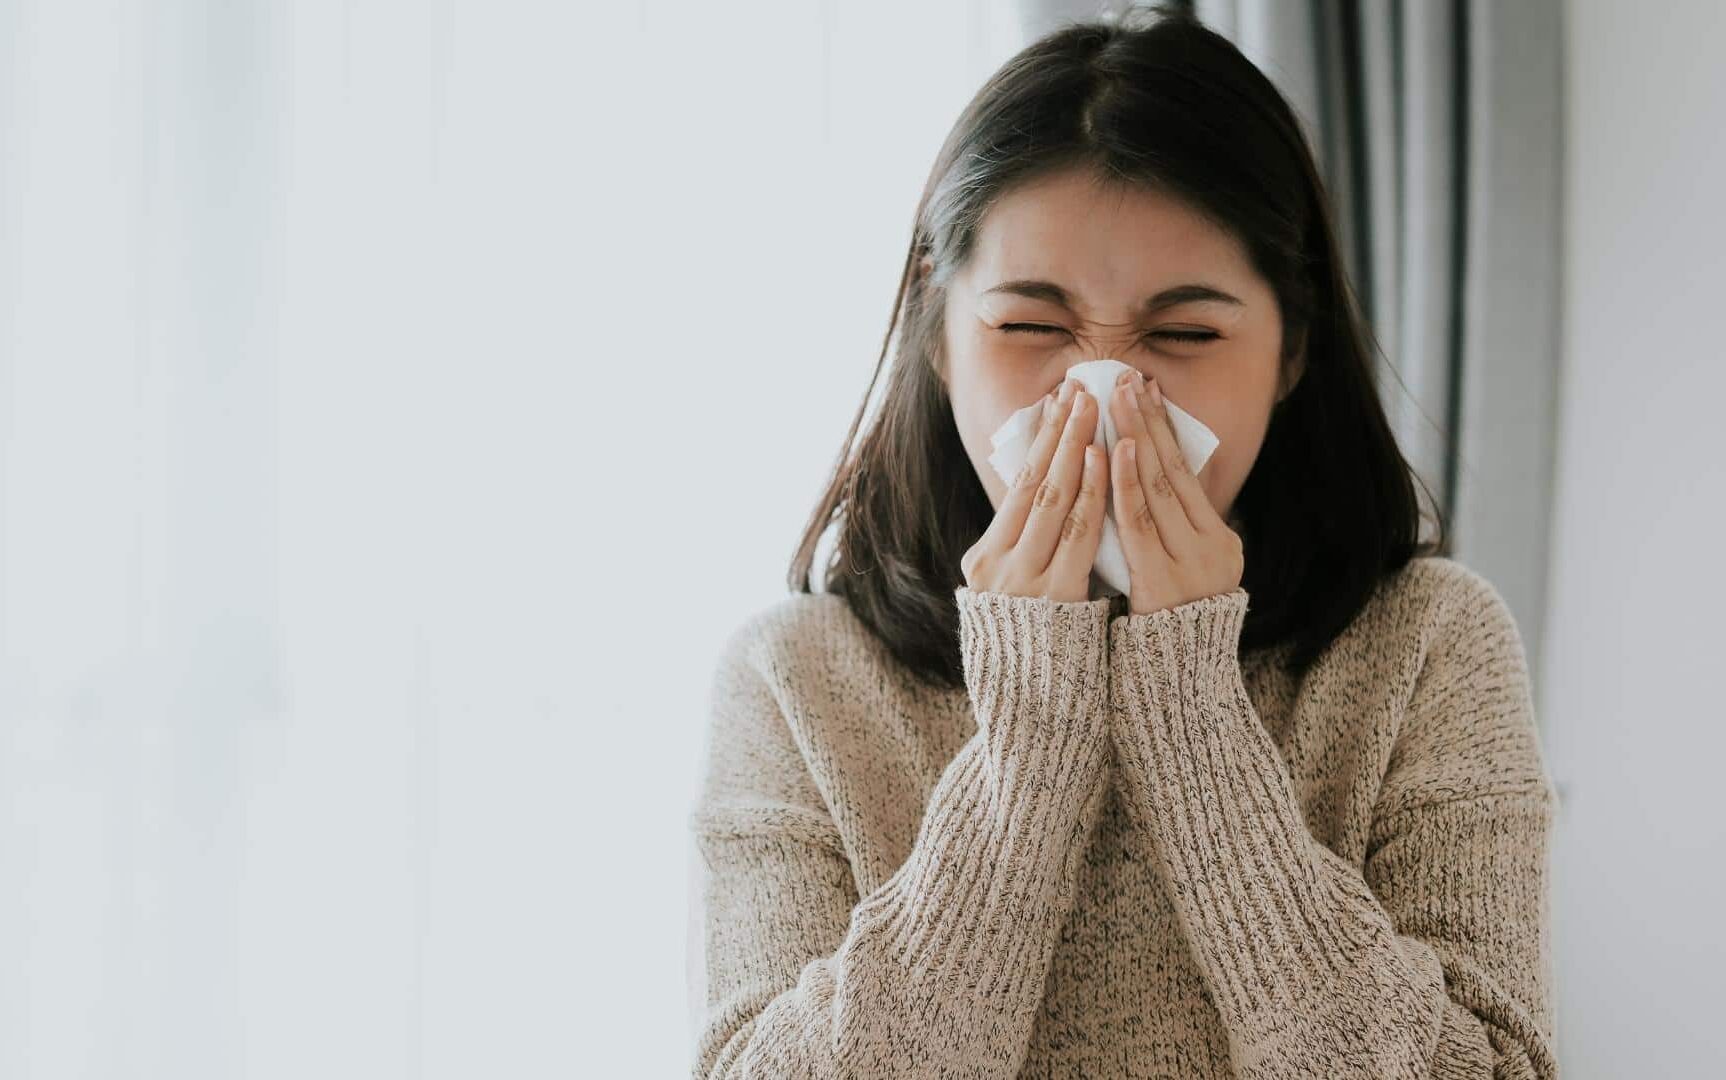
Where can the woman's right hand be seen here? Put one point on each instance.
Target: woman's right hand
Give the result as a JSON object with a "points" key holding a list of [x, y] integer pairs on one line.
{"points": [[1044, 538]]}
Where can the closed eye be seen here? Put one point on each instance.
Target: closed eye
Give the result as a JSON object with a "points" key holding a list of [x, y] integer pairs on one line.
{"points": [[1192, 336]]}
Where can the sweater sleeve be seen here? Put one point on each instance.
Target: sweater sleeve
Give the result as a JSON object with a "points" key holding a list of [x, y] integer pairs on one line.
{"points": [[1435, 960], [939, 971]]}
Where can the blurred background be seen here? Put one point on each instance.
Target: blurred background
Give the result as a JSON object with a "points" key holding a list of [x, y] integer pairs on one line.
{"points": [[400, 401]]}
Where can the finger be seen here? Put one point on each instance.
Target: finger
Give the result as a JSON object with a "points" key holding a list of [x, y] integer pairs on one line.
{"points": [[1003, 532], [1083, 529], [1010, 516], [1139, 536], [1186, 485], [1165, 509], [1054, 496]]}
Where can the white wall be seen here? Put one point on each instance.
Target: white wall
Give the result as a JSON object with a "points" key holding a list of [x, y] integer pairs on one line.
{"points": [[399, 404], [1631, 683]]}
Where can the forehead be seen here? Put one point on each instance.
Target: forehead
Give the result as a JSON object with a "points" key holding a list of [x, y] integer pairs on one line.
{"points": [[1102, 241]]}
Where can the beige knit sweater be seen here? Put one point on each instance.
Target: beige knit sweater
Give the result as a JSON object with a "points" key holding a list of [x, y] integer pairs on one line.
{"points": [[1124, 850]]}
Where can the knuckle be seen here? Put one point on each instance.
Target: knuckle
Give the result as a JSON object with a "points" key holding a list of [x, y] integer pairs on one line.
{"points": [[1160, 483], [1142, 519], [1048, 495], [1025, 477], [1073, 528]]}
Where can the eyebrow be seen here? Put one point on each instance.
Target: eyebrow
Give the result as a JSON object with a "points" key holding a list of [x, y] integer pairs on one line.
{"points": [[1179, 294]]}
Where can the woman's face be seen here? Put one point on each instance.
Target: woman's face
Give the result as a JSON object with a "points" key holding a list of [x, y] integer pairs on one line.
{"points": [[1065, 270]]}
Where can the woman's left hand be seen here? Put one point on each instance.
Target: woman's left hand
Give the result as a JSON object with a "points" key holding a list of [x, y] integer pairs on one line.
{"points": [[1178, 548]]}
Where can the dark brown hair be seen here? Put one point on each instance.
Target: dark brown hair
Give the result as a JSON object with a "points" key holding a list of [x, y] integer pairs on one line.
{"points": [[1156, 100]]}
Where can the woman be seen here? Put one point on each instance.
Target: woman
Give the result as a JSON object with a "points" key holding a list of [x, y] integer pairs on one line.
{"points": [[962, 817]]}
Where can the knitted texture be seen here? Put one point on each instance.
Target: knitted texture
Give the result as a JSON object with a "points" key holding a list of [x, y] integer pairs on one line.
{"points": [[1126, 849]]}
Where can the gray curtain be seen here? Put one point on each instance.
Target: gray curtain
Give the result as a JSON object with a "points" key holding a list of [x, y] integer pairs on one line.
{"points": [[1437, 127]]}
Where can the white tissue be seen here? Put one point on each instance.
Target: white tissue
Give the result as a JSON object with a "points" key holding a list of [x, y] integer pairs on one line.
{"points": [[1012, 443]]}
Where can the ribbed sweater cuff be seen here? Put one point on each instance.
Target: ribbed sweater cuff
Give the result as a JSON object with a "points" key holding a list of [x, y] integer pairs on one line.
{"points": [[1204, 775], [1037, 672], [1012, 808]]}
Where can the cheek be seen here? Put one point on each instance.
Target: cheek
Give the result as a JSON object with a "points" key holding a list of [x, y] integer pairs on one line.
{"points": [[984, 396], [1237, 451], [982, 401], [975, 415]]}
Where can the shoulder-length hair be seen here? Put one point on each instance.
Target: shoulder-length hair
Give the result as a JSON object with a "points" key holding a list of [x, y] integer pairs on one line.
{"points": [[1329, 508]]}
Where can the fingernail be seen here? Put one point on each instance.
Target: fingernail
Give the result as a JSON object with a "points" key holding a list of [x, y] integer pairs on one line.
{"points": [[1067, 390], [1156, 392], [1048, 407], [1132, 451], [1138, 378]]}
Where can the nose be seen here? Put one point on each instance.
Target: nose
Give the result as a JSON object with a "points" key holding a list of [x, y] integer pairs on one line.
{"points": [[1104, 345], [1067, 362]]}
